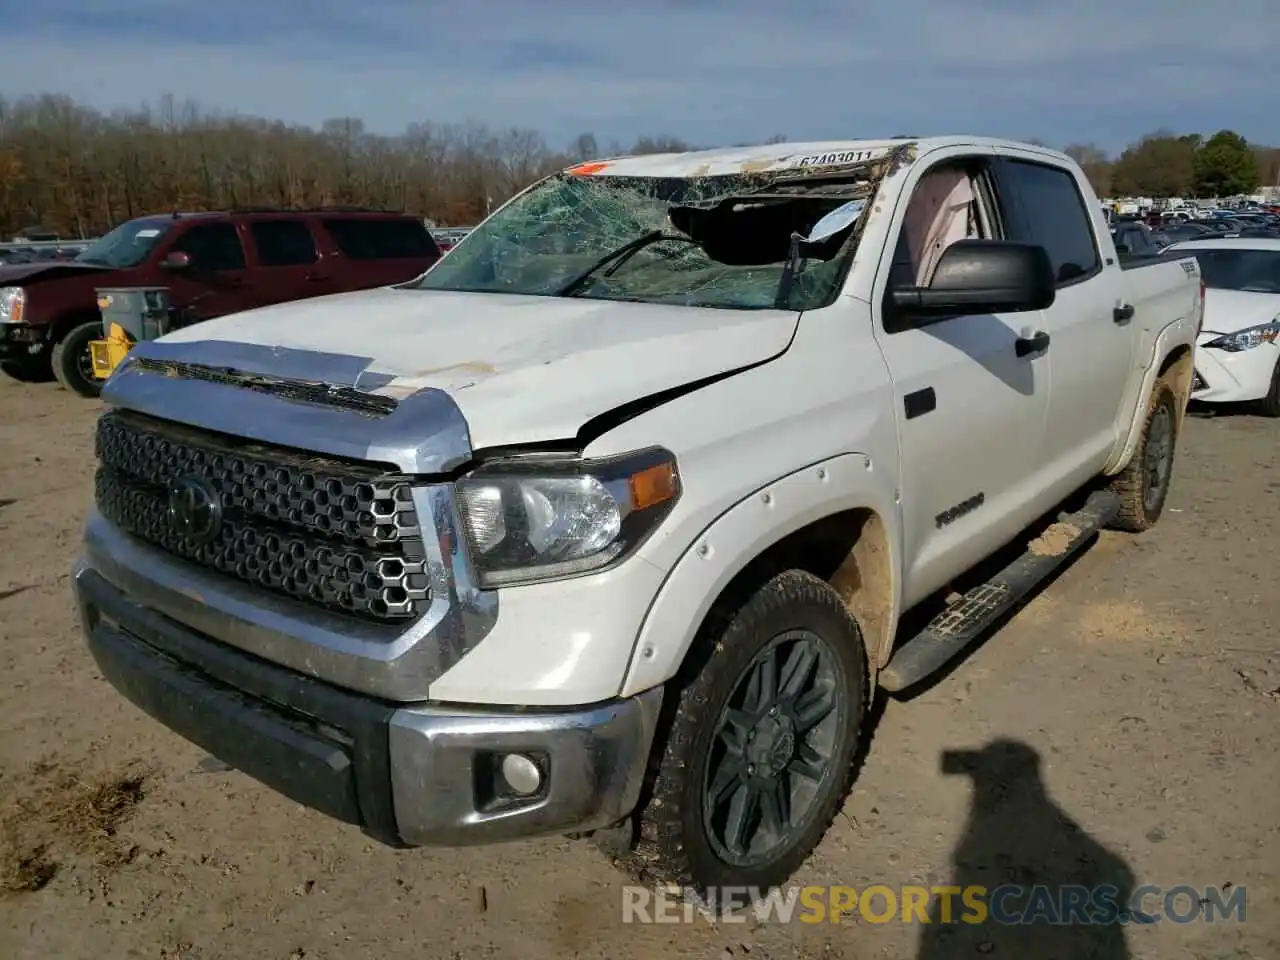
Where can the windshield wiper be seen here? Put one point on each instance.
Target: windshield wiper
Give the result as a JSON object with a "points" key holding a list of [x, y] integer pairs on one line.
{"points": [[621, 255]]}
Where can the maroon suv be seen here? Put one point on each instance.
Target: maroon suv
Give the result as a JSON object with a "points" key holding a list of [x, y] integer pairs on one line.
{"points": [[212, 264]]}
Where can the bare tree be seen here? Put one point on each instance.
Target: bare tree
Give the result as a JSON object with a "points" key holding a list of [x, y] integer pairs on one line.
{"points": [[80, 172]]}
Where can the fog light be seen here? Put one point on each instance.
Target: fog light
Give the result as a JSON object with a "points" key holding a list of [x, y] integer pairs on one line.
{"points": [[521, 774]]}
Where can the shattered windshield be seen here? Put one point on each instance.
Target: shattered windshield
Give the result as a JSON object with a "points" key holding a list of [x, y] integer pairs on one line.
{"points": [[720, 241]]}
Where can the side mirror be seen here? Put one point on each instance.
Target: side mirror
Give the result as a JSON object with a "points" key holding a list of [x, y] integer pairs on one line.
{"points": [[176, 260], [983, 276]]}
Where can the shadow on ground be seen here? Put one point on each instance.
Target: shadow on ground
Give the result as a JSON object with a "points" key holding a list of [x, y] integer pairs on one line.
{"points": [[1034, 860]]}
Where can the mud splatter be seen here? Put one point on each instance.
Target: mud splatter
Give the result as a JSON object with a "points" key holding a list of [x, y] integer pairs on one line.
{"points": [[1055, 541]]}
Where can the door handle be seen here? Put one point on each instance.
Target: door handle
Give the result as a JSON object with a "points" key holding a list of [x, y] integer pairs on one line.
{"points": [[1123, 313], [1025, 346], [919, 403], [315, 276]]}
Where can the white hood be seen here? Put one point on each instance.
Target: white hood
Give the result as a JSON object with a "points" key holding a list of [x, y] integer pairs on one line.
{"points": [[521, 369], [1226, 311]]}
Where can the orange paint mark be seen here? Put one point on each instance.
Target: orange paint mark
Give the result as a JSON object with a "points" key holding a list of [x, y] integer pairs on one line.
{"points": [[586, 169]]}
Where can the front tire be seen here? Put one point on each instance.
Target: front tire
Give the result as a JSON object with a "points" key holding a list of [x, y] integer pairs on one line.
{"points": [[1143, 485], [761, 747], [72, 362], [1269, 406]]}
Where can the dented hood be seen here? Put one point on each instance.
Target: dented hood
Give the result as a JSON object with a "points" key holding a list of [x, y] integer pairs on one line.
{"points": [[521, 369]]}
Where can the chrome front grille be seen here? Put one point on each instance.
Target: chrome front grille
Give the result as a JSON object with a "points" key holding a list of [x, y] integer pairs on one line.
{"points": [[341, 535], [1197, 382]]}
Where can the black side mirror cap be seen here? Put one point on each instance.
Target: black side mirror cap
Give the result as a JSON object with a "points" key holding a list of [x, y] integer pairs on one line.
{"points": [[983, 276]]}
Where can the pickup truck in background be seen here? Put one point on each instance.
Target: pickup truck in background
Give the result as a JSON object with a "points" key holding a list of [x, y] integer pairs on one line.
{"points": [[608, 522], [212, 263]]}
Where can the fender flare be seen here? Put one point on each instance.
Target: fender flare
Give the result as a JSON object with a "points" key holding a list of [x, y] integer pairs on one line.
{"points": [[741, 534], [1179, 333]]}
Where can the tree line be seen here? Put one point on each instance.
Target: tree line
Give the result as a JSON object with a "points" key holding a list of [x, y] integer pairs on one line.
{"points": [[1167, 164], [76, 171]]}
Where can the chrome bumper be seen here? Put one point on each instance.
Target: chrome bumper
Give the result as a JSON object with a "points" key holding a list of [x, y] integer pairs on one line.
{"points": [[593, 760], [407, 774]]}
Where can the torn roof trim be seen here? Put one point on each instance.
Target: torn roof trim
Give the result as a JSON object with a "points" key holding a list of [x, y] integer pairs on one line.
{"points": [[774, 158], [738, 160]]}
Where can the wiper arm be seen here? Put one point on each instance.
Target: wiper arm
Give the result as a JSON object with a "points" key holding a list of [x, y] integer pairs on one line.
{"points": [[621, 255]]}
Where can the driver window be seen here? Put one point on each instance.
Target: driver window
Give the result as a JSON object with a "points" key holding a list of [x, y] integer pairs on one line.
{"points": [[946, 206]]}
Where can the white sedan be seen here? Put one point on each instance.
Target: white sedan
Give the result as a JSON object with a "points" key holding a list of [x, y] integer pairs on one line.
{"points": [[1238, 353]]}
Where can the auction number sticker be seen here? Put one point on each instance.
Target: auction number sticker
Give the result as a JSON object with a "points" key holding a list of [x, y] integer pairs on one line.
{"points": [[835, 159]]}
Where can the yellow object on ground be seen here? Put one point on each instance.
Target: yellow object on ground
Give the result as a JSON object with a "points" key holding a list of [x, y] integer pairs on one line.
{"points": [[107, 354]]}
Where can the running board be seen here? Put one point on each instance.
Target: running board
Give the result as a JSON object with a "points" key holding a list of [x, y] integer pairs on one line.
{"points": [[948, 634]]}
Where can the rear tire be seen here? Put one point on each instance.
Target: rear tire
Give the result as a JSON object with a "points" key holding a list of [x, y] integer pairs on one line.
{"points": [[72, 363], [765, 736], [1143, 485], [34, 370], [1269, 406]]}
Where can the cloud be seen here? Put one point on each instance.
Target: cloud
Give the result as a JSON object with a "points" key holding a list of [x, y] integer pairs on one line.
{"points": [[709, 71]]}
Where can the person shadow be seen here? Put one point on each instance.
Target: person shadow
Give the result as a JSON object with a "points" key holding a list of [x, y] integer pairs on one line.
{"points": [[1045, 877]]}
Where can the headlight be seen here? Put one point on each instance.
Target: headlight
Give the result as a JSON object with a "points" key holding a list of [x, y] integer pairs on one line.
{"points": [[12, 300], [534, 518], [1248, 338]]}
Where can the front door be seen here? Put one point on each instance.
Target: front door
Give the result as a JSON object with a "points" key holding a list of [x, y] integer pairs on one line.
{"points": [[217, 280], [971, 411]]}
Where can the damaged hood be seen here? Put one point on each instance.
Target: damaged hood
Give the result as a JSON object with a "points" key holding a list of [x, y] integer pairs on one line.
{"points": [[521, 369]]}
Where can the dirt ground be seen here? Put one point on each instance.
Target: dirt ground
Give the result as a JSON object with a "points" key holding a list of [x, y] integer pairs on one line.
{"points": [[1123, 725]]}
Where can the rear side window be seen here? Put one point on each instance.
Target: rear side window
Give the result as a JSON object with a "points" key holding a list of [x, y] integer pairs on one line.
{"points": [[283, 243], [212, 246], [362, 239], [1054, 215], [1137, 241]]}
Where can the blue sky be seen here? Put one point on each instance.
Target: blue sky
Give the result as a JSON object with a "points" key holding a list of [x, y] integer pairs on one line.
{"points": [[709, 71]]}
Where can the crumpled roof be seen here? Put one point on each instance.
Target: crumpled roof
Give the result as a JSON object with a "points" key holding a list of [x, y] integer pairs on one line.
{"points": [[731, 160]]}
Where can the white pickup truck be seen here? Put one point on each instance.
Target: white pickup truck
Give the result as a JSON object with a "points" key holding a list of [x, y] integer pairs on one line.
{"points": [[609, 520]]}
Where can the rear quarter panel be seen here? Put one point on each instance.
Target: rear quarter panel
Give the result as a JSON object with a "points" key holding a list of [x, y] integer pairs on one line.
{"points": [[1168, 305]]}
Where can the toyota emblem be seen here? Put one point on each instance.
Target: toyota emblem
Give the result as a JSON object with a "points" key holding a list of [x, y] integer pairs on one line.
{"points": [[195, 512]]}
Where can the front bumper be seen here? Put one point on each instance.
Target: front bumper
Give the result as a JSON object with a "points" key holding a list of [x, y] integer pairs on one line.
{"points": [[407, 774], [21, 340], [1234, 377]]}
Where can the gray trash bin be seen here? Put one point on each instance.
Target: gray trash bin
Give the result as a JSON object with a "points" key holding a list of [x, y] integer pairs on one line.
{"points": [[143, 312]]}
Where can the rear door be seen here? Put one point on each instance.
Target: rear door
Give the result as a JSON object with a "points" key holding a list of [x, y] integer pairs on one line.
{"points": [[288, 264], [217, 281], [1092, 328], [377, 251]]}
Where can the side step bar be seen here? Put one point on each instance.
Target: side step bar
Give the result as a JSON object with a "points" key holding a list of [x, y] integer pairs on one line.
{"points": [[950, 632]]}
